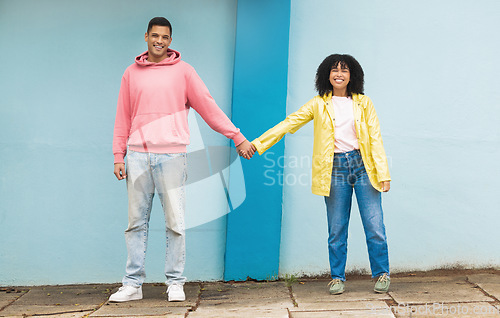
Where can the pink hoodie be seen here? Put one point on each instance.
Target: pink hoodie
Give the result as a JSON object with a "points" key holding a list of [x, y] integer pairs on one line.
{"points": [[153, 105]]}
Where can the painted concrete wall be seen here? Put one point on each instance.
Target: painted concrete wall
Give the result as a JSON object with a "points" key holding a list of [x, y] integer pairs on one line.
{"points": [[259, 99], [62, 212], [431, 70]]}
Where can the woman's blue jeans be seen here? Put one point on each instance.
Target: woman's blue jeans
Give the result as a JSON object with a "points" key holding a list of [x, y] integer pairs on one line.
{"points": [[165, 173], [349, 174]]}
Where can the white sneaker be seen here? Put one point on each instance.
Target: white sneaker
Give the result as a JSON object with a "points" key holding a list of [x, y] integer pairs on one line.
{"points": [[176, 293], [126, 293]]}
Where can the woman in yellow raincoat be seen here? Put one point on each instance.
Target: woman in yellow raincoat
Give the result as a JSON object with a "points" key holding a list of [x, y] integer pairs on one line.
{"points": [[348, 156]]}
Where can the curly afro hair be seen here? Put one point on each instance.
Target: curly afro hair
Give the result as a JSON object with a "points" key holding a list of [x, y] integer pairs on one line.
{"points": [[356, 82]]}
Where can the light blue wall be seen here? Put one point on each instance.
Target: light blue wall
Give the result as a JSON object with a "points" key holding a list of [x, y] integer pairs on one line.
{"points": [[62, 212], [431, 69]]}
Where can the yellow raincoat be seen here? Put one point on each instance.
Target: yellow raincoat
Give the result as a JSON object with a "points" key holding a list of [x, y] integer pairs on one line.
{"points": [[320, 108]]}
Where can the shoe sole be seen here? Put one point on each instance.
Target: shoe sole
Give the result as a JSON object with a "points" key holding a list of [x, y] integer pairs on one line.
{"points": [[176, 299], [337, 293], [381, 291], [122, 301]]}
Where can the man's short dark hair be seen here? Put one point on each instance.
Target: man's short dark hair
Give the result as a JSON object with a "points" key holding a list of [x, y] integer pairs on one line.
{"points": [[161, 21], [356, 83]]}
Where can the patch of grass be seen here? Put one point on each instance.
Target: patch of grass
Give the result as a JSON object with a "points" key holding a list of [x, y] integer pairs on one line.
{"points": [[272, 278], [290, 279]]}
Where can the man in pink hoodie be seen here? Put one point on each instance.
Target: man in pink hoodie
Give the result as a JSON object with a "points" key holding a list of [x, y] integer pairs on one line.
{"points": [[151, 128]]}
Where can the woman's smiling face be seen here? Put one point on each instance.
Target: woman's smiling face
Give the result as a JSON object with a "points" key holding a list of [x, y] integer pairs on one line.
{"points": [[339, 78]]}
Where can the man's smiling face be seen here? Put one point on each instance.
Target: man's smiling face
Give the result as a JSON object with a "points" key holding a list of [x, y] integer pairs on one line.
{"points": [[158, 39]]}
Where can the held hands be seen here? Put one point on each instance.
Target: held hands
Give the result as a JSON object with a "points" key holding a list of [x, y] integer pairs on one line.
{"points": [[120, 171], [245, 149], [386, 186]]}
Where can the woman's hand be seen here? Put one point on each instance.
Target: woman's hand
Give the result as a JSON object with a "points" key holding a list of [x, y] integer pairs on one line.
{"points": [[246, 149], [386, 186]]}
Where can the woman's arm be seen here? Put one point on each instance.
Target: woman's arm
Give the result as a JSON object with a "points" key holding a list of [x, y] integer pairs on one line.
{"points": [[377, 146], [291, 124]]}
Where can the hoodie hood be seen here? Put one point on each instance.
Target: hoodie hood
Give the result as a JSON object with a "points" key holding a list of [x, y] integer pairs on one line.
{"points": [[173, 58]]}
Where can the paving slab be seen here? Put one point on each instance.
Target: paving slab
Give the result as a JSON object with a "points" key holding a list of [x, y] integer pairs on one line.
{"points": [[447, 310], [344, 309], [60, 315], [57, 300], [239, 313], [248, 299], [484, 278], [9, 295], [454, 290], [371, 305], [343, 313], [154, 303], [246, 290], [490, 283], [47, 311], [124, 311], [427, 279], [315, 294], [250, 304]]}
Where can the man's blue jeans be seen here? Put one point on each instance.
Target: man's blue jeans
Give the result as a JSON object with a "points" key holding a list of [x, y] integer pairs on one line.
{"points": [[167, 174], [349, 174]]}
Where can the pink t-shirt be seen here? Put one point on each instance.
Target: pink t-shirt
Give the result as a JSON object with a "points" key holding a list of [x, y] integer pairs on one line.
{"points": [[345, 131]]}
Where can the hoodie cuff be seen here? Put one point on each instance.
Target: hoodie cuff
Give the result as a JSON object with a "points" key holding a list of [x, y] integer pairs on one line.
{"points": [[119, 158], [238, 139]]}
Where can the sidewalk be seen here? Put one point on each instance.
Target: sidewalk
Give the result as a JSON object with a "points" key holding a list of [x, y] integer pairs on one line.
{"points": [[434, 294]]}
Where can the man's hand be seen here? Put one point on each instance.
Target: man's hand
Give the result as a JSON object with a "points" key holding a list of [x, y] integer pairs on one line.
{"points": [[386, 186], [120, 171], [246, 149]]}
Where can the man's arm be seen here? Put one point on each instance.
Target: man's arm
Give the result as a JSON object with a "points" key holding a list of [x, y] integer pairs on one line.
{"points": [[200, 99], [122, 129]]}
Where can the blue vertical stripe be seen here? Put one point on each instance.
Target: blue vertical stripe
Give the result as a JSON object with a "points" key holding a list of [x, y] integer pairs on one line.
{"points": [[259, 86]]}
